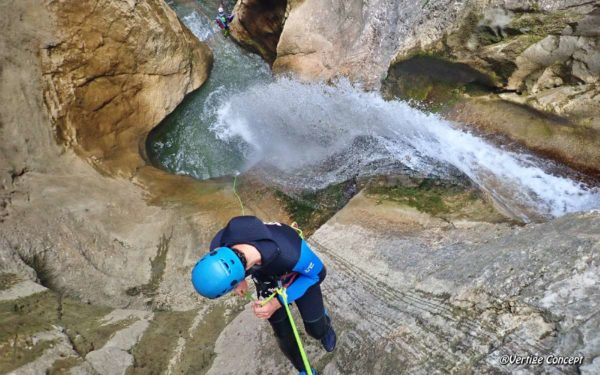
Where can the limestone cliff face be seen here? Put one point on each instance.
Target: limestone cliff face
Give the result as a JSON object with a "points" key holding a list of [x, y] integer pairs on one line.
{"points": [[412, 294], [360, 39], [94, 241], [102, 73], [258, 24], [544, 54], [537, 59], [107, 83]]}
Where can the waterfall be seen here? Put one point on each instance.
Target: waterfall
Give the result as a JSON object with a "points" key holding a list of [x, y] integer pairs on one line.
{"points": [[311, 135]]}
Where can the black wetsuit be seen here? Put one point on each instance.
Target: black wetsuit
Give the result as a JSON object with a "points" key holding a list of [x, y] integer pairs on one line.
{"points": [[286, 258]]}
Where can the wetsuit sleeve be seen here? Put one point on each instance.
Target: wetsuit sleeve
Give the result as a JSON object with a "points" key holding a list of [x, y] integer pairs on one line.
{"points": [[308, 267]]}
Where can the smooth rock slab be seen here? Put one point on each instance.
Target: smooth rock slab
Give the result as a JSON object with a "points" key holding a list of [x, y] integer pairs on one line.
{"points": [[22, 289], [110, 361], [410, 296]]}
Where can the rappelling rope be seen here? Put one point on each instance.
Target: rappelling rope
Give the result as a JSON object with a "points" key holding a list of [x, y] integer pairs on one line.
{"points": [[282, 292], [237, 195], [297, 229]]}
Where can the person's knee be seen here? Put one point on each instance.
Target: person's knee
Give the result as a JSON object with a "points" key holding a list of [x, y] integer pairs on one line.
{"points": [[318, 328]]}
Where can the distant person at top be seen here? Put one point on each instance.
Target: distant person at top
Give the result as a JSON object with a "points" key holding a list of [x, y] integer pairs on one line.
{"points": [[223, 20]]}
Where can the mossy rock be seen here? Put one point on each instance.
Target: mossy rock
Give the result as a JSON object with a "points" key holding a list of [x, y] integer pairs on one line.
{"points": [[311, 209], [442, 199], [544, 24], [8, 280], [156, 347], [22, 318], [434, 81]]}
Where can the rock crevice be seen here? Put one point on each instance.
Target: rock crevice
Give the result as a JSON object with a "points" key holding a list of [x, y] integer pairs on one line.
{"points": [[115, 75]]}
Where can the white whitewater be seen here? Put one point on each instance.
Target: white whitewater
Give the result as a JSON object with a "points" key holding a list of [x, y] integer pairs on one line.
{"points": [[311, 135], [301, 129]]}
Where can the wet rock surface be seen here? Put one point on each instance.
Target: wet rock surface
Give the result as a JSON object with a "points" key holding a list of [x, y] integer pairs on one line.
{"points": [[541, 54], [94, 270], [542, 58], [413, 294]]}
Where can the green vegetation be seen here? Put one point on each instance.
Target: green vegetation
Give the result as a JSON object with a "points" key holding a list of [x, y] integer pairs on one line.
{"points": [[7, 280], [22, 318], [20, 352], [26, 316], [426, 197], [434, 81], [63, 365], [157, 269], [312, 209], [543, 24], [88, 337], [440, 199], [156, 347]]}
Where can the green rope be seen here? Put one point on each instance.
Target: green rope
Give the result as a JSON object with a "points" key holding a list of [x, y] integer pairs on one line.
{"points": [[237, 195], [266, 300], [296, 227], [283, 294]]}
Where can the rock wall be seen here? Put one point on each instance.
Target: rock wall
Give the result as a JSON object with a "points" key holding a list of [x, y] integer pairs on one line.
{"points": [[543, 53], [538, 59], [413, 294], [75, 244], [61, 218], [360, 40], [436, 294], [108, 83], [547, 57], [258, 24]]}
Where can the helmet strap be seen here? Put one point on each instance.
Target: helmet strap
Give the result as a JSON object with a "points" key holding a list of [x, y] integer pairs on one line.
{"points": [[241, 256]]}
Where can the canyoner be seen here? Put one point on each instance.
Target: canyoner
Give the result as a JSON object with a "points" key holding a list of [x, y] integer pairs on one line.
{"points": [[284, 270], [223, 20]]}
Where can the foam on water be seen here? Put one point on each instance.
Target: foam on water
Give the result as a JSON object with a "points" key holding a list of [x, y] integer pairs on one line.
{"points": [[299, 128], [312, 135], [201, 27], [183, 143]]}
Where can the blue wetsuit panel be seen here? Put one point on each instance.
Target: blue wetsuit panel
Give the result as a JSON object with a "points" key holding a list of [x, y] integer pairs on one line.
{"points": [[308, 267]]}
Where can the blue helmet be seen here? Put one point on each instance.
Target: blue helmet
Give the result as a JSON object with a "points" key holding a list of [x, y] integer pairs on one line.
{"points": [[217, 273]]}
